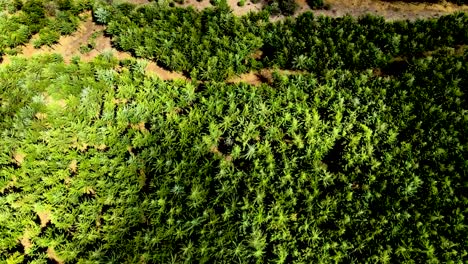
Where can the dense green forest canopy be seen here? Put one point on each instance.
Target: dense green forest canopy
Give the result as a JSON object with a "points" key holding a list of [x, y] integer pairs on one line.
{"points": [[359, 156]]}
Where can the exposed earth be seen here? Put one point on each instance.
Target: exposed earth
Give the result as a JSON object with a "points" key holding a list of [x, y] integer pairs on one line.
{"points": [[391, 10]]}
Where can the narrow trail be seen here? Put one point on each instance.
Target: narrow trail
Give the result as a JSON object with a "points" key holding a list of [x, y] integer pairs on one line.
{"points": [[69, 47], [262, 76], [390, 10]]}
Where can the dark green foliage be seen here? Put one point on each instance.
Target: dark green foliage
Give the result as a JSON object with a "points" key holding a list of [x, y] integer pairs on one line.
{"points": [[211, 45], [17, 5], [320, 43], [34, 15], [34, 9], [65, 5], [126, 8], [284, 7], [287, 7], [316, 4]]}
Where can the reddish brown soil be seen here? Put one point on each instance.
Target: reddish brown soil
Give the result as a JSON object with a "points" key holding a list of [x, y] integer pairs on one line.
{"points": [[262, 76], [391, 10], [394, 10], [163, 74]]}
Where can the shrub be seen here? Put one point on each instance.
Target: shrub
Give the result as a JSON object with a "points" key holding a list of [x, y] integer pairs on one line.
{"points": [[285, 7], [315, 4], [47, 37], [102, 15]]}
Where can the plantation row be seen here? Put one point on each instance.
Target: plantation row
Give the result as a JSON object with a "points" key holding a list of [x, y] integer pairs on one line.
{"points": [[214, 44], [126, 168]]}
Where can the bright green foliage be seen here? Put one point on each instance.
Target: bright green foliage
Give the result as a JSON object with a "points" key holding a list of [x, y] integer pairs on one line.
{"points": [[359, 158], [347, 167]]}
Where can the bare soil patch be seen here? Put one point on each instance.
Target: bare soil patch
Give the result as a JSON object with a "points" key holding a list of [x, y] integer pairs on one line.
{"points": [[262, 76], [394, 10], [251, 78], [196, 5], [26, 242], [44, 216], [19, 157], [243, 10], [162, 73], [51, 254], [389, 10]]}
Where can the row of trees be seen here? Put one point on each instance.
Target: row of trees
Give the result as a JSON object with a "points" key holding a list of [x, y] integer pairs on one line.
{"points": [[320, 43], [214, 44], [211, 45]]}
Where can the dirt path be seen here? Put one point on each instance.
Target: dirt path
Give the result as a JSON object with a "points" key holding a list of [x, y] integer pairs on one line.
{"points": [[262, 76], [69, 46], [195, 4], [394, 10]]}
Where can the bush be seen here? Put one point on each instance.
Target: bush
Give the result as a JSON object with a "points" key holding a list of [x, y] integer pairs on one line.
{"points": [[288, 7], [126, 8], [34, 11], [34, 15], [183, 39], [47, 37], [102, 15], [285, 7], [315, 4], [17, 5], [64, 5]]}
